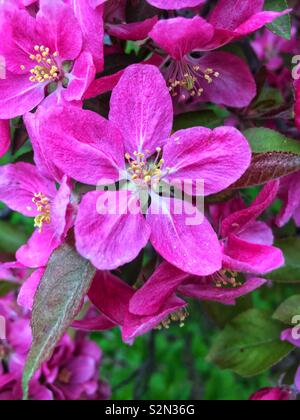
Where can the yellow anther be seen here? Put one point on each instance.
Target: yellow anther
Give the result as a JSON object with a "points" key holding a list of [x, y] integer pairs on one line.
{"points": [[22, 67], [43, 207]]}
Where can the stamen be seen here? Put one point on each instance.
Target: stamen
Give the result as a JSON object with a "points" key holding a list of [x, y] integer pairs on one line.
{"points": [[227, 279], [179, 317], [43, 207], [187, 79], [142, 170], [47, 69]]}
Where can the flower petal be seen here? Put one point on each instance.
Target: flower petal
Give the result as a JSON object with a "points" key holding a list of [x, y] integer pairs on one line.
{"points": [[91, 155], [223, 90], [180, 36], [208, 292], [18, 95], [183, 237], [218, 157], [141, 107], [111, 296], [59, 29], [149, 299], [238, 221], [107, 232], [29, 288], [18, 184], [4, 136], [251, 258], [135, 31], [175, 4]]}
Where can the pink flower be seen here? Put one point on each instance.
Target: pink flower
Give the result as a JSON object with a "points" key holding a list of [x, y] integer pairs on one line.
{"points": [[140, 124], [270, 48], [191, 74], [43, 56], [273, 394], [25, 190], [71, 374], [289, 193]]}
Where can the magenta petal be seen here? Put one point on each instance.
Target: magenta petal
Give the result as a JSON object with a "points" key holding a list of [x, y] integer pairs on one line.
{"points": [[111, 296], [141, 107], [257, 233], [18, 95], [135, 326], [229, 14], [239, 220], [18, 184], [158, 289], [290, 190], [107, 232], [29, 288], [132, 31], [251, 258], [99, 323], [84, 145], [218, 157], [39, 248], [82, 75], [34, 125], [196, 289], [232, 88], [59, 28], [175, 4], [59, 208], [183, 236], [4, 136], [91, 22], [180, 36], [103, 84]]}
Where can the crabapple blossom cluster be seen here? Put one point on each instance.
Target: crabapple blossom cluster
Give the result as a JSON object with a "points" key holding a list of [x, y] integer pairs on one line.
{"points": [[152, 137]]}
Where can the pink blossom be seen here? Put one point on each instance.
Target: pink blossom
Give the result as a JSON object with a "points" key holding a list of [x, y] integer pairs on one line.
{"points": [[42, 54], [71, 373], [140, 125], [25, 190], [273, 394], [289, 193]]}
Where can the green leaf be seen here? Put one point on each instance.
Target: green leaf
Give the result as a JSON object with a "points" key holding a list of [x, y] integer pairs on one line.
{"points": [[290, 273], [250, 344], [265, 140], [206, 118], [223, 314], [287, 310], [58, 301], [281, 26], [274, 156]]}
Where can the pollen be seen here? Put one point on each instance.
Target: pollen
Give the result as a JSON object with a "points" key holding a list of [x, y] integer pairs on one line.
{"points": [[44, 209], [179, 317], [46, 68], [144, 170], [227, 279]]}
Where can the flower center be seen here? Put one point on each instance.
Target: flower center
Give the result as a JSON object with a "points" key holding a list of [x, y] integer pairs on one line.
{"points": [[227, 279], [186, 78], [43, 207], [179, 316], [142, 170], [46, 69]]}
